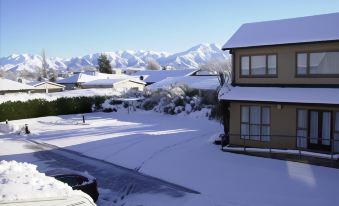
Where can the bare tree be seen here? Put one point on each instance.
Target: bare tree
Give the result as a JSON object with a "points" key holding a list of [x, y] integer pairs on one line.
{"points": [[223, 68], [153, 65], [25, 74]]}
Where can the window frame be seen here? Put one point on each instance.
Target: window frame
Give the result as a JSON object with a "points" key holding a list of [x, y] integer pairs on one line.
{"points": [[308, 60], [266, 75], [261, 125]]}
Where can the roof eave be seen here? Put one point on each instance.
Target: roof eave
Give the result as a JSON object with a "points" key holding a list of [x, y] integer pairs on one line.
{"points": [[282, 44]]}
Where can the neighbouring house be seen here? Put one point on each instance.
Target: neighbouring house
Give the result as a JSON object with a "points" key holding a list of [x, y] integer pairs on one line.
{"points": [[152, 76], [9, 86], [76, 80], [120, 84], [46, 87], [285, 87], [131, 70]]}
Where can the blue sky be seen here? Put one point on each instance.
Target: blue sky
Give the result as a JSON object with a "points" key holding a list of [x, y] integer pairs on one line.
{"points": [[67, 28]]}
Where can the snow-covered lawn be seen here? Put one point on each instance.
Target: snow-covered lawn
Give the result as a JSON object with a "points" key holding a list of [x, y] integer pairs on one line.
{"points": [[179, 149]]}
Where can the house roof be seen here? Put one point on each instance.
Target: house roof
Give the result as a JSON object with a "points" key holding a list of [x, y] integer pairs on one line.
{"points": [[38, 83], [77, 78], [158, 75], [286, 31], [9, 85], [281, 94], [195, 82], [112, 81]]}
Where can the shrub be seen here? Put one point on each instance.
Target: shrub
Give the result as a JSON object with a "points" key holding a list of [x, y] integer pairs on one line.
{"points": [[40, 107]]}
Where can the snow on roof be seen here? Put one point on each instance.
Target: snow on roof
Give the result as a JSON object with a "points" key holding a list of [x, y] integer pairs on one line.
{"points": [[194, 82], [112, 81], [158, 75], [22, 181], [77, 78], [296, 30], [37, 83], [9, 85], [82, 77], [281, 95]]}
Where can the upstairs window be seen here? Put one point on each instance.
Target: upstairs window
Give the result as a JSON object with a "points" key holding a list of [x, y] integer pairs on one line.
{"points": [[318, 63], [259, 65]]}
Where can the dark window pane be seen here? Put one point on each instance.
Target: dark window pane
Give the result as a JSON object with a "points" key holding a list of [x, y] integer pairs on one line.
{"points": [[245, 65], [301, 63], [272, 64]]}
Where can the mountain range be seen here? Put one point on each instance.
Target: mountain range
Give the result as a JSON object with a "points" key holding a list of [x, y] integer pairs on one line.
{"points": [[190, 58]]}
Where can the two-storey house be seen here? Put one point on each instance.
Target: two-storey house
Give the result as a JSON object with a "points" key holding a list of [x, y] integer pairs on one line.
{"points": [[284, 92]]}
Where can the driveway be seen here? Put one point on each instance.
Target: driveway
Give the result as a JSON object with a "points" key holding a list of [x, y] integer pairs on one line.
{"points": [[121, 182]]}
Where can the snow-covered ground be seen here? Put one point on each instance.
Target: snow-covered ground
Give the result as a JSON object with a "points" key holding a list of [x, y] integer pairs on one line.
{"points": [[179, 149], [53, 96]]}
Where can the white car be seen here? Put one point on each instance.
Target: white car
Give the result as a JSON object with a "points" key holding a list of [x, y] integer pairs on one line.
{"points": [[78, 199], [23, 185]]}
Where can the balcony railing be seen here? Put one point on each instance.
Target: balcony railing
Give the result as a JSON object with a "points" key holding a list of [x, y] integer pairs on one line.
{"points": [[274, 143]]}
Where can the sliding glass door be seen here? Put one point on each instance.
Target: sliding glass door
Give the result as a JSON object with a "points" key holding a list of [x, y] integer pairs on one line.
{"points": [[320, 130]]}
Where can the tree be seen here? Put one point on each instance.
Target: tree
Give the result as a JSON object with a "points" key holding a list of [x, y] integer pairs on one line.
{"points": [[153, 65], [44, 64], [223, 68], [104, 65], [52, 75]]}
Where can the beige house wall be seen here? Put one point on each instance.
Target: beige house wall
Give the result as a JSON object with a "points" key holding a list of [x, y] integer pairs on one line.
{"points": [[125, 85], [129, 85], [286, 64], [49, 86], [283, 123]]}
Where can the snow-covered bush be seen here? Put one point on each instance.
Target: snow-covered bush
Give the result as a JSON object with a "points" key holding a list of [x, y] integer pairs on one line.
{"points": [[178, 100]]}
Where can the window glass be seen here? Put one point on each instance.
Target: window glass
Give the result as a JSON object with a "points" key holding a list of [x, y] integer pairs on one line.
{"points": [[265, 132], [337, 121], [258, 65], [301, 63], [245, 131], [314, 127], [272, 64], [255, 122], [255, 132], [265, 115], [326, 128], [255, 115], [244, 114], [302, 119], [245, 65], [301, 138], [324, 63], [336, 142]]}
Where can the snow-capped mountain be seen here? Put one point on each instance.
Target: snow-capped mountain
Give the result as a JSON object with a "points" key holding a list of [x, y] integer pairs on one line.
{"points": [[191, 58], [29, 62]]}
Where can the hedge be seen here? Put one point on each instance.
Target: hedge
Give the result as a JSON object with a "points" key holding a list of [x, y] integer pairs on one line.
{"points": [[41, 107]]}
